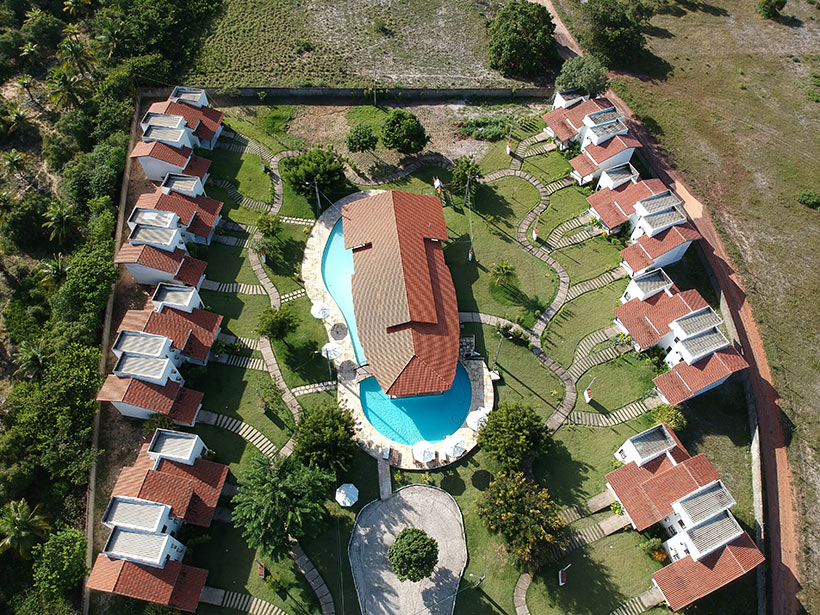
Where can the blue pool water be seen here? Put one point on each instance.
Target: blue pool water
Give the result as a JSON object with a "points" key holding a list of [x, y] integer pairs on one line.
{"points": [[406, 420]]}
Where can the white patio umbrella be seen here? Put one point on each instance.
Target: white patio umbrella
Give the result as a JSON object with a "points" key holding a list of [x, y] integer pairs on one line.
{"points": [[423, 451], [347, 494], [320, 310], [477, 418], [454, 446], [331, 351]]}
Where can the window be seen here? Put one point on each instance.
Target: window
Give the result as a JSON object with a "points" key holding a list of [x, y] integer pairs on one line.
{"points": [[627, 296], [680, 522], [668, 349], [677, 339], [164, 528]]}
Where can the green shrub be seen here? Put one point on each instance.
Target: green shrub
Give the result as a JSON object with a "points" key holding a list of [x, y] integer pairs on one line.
{"points": [[324, 437], [612, 32], [464, 167], [809, 198], [616, 508], [322, 165], [770, 8], [413, 555], [585, 72], [493, 128], [276, 119], [403, 132], [154, 422], [512, 434], [650, 545], [669, 414], [361, 138], [59, 563]]}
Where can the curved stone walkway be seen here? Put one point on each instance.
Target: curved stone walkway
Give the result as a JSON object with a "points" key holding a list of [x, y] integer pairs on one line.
{"points": [[244, 430], [425, 160]]}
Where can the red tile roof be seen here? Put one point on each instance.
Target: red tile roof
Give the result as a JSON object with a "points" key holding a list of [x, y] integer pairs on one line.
{"points": [[684, 381], [648, 321], [204, 121], [611, 147], [566, 122], [648, 491], [686, 580], [197, 167], [175, 585], [615, 206], [199, 214], [177, 156], [185, 269], [646, 249], [174, 401], [193, 334], [191, 491], [582, 165], [403, 293]]}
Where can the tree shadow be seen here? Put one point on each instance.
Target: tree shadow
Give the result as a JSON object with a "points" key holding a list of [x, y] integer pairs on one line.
{"points": [[487, 201], [721, 411], [464, 272], [679, 8], [291, 259], [657, 32], [303, 358], [561, 474], [790, 21]]}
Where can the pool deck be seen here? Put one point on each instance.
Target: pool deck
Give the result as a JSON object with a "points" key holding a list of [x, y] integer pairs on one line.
{"points": [[349, 375]]}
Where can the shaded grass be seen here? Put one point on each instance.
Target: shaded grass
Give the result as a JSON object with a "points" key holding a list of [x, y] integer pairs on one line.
{"points": [[617, 383], [241, 312], [496, 157], [588, 259], [297, 205], [231, 210], [242, 170], [547, 167], [298, 353], [230, 448], [282, 271], [577, 319], [229, 264], [317, 400], [689, 273]]}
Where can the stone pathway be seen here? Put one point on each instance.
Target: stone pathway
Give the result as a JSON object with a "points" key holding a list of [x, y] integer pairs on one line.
{"points": [[560, 238], [296, 294], [520, 594], [313, 577], [249, 604], [522, 149], [314, 388], [233, 287], [581, 538], [235, 360], [249, 343], [230, 240], [650, 598], [606, 278], [385, 480], [244, 430], [302, 221], [594, 504], [425, 160], [239, 197]]}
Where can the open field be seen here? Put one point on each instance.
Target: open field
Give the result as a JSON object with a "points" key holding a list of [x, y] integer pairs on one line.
{"points": [[300, 43], [735, 115]]}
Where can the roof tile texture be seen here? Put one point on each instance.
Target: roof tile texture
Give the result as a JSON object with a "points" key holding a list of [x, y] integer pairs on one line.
{"points": [[565, 123], [684, 381], [646, 249], [177, 156], [648, 321], [615, 206], [176, 402], [204, 121], [193, 334], [198, 214]]}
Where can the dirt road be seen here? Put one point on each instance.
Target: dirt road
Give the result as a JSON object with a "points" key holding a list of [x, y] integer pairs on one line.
{"points": [[780, 524]]}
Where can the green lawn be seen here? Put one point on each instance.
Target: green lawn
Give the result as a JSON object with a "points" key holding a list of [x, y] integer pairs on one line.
{"points": [[565, 204], [282, 271], [242, 170], [588, 259], [577, 319], [367, 115], [315, 400], [232, 565], [231, 210], [298, 354], [232, 391], [252, 127], [525, 379], [229, 264], [496, 157], [617, 383], [298, 205], [241, 312], [547, 167]]}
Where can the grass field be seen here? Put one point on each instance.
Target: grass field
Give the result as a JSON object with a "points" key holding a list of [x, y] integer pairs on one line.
{"points": [[298, 43], [244, 171], [241, 312], [229, 264], [588, 259], [617, 383]]}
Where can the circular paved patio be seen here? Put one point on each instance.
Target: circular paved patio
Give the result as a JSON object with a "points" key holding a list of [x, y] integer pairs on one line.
{"points": [[380, 591]]}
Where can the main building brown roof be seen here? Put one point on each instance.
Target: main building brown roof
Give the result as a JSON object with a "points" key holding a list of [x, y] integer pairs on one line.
{"points": [[403, 295]]}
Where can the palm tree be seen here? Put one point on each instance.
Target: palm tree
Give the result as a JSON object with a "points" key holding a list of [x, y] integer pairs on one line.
{"points": [[7, 201], [14, 163], [76, 7], [502, 273], [21, 527], [55, 270], [72, 30], [60, 219], [29, 52], [74, 55], [112, 36], [26, 82], [32, 358], [32, 15], [65, 89], [16, 118]]}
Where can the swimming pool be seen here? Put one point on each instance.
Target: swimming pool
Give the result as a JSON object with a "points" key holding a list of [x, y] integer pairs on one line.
{"points": [[406, 420]]}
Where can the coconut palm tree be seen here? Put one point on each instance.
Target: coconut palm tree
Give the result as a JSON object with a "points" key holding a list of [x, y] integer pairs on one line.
{"points": [[60, 220], [74, 56], [16, 118], [14, 164], [76, 7], [21, 527], [26, 82], [502, 273], [29, 52], [33, 15], [54, 270], [72, 30], [32, 357], [113, 36], [65, 89]]}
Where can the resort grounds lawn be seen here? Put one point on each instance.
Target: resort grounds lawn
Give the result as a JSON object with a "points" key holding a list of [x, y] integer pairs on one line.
{"points": [[281, 271], [617, 383], [316, 400], [242, 170], [578, 318], [298, 353], [232, 391], [547, 168], [299, 205], [589, 259], [241, 312], [253, 127], [230, 448], [232, 565], [231, 210], [565, 204], [229, 264], [496, 157], [524, 378]]}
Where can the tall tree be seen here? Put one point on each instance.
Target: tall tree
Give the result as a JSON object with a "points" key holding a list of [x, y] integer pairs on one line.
{"points": [[521, 39], [585, 72], [15, 164], [361, 138], [21, 528], [54, 270], [512, 434], [611, 32], [464, 167], [74, 56], [113, 36], [59, 563], [65, 89], [414, 555], [280, 498], [61, 220], [324, 437], [16, 118], [502, 273], [275, 324]]}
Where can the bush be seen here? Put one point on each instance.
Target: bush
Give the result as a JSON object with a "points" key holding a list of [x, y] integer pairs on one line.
{"points": [[616, 508], [35, 603], [809, 198], [268, 225], [154, 422], [275, 121], [770, 8], [513, 433], [324, 437], [59, 563], [611, 32], [275, 324], [671, 415], [403, 132], [87, 285], [45, 30], [486, 128], [585, 72], [361, 138], [521, 40], [651, 544], [23, 225], [413, 555], [464, 167], [322, 165]]}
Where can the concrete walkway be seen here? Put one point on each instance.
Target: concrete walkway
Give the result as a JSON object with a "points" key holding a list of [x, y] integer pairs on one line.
{"points": [[379, 590], [639, 604], [581, 538]]}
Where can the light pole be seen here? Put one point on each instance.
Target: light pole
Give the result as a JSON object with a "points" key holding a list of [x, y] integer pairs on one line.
{"points": [[498, 348], [315, 183]]}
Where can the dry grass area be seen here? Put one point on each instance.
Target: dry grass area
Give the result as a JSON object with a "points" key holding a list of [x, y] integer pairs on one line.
{"points": [[735, 117], [348, 42]]}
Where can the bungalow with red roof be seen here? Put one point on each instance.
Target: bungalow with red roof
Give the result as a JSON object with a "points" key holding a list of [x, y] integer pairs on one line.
{"points": [[403, 294], [179, 204], [153, 262], [609, 151], [591, 121], [614, 207], [158, 159], [660, 245], [687, 380], [168, 485], [192, 105], [660, 482], [567, 98]]}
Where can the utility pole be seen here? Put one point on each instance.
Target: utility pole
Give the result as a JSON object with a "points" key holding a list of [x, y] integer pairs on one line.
{"points": [[318, 202], [471, 253]]}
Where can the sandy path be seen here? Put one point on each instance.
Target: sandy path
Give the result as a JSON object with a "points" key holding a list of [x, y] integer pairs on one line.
{"points": [[779, 523]]}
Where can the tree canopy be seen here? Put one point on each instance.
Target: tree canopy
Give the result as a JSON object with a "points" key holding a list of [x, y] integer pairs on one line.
{"points": [[277, 498], [585, 72], [324, 437], [521, 40], [361, 138], [612, 31], [60, 562], [413, 555], [322, 165], [403, 132], [512, 434], [276, 324], [463, 167]]}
